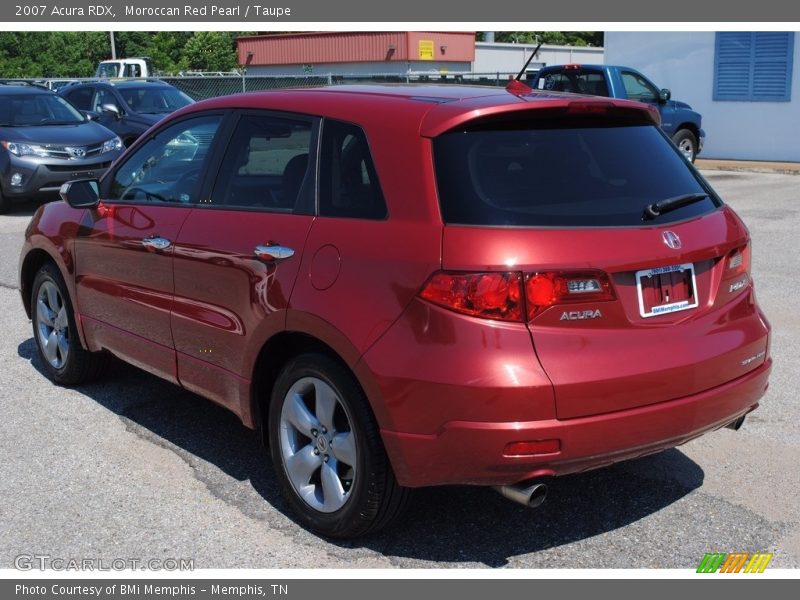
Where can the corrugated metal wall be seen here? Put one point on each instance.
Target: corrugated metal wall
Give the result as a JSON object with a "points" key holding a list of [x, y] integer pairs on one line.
{"points": [[336, 47]]}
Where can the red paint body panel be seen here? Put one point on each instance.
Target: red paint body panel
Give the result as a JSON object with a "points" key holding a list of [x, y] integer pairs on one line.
{"points": [[623, 360], [228, 302], [472, 452], [369, 251], [126, 287], [433, 366]]}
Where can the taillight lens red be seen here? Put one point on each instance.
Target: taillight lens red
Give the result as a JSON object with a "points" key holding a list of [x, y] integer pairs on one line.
{"points": [[543, 290], [486, 295], [501, 296]]}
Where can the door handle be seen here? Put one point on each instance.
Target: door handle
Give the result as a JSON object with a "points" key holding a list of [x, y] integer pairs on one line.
{"points": [[273, 252], [156, 243]]}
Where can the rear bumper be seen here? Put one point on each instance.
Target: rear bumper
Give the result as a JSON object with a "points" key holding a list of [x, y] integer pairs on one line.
{"points": [[466, 452]]}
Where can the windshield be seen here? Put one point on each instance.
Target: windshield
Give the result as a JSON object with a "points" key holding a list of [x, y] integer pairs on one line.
{"points": [[155, 100], [24, 110], [587, 176], [107, 70]]}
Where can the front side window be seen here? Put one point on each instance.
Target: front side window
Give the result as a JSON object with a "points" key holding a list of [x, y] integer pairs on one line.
{"points": [[102, 97], [638, 88], [265, 164], [348, 185], [167, 168]]}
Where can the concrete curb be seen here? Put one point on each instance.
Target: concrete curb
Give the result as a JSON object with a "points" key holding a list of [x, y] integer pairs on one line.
{"points": [[748, 166]]}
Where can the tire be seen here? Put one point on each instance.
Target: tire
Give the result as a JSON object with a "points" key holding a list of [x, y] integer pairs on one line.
{"points": [[328, 456], [686, 142], [64, 360], [5, 204]]}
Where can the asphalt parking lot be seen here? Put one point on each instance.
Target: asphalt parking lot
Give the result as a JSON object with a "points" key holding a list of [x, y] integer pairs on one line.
{"points": [[133, 467]]}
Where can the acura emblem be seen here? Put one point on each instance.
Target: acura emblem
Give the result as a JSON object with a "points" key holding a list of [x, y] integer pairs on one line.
{"points": [[671, 239]]}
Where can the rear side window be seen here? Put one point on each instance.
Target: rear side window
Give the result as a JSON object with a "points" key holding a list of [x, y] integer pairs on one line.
{"points": [[585, 176], [575, 82], [348, 184]]}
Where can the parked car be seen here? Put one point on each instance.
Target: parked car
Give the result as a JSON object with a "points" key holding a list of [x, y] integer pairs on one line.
{"points": [[678, 119], [127, 107], [45, 141], [411, 286]]}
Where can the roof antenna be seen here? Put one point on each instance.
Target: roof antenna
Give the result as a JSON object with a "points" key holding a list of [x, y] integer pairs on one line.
{"points": [[515, 86]]}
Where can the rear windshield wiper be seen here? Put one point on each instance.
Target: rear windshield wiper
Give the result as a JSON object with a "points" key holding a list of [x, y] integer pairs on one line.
{"points": [[651, 211]]}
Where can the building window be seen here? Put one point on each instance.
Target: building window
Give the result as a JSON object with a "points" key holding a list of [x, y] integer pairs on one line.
{"points": [[753, 66]]}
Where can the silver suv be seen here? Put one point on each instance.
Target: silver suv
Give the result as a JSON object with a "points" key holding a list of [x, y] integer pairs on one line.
{"points": [[45, 141]]}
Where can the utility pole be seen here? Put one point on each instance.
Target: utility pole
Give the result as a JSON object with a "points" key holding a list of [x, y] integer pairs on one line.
{"points": [[113, 46]]}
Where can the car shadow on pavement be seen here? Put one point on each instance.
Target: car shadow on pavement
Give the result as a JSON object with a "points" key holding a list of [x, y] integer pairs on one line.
{"points": [[450, 524]]}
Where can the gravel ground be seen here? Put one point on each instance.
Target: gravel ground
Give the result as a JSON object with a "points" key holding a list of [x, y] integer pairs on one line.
{"points": [[133, 467]]}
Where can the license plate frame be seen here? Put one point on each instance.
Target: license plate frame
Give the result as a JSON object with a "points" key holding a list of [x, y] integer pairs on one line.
{"points": [[669, 307]]}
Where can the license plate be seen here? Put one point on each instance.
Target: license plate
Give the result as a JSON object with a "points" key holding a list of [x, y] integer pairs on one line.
{"points": [[666, 290]]}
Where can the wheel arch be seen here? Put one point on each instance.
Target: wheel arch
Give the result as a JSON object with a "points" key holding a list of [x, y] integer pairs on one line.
{"points": [[689, 126], [33, 261], [281, 347]]}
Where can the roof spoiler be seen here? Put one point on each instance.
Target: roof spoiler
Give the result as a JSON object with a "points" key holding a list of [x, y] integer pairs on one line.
{"points": [[515, 86]]}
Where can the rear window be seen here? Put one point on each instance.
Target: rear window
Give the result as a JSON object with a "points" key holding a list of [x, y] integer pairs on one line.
{"points": [[573, 81], [586, 176]]}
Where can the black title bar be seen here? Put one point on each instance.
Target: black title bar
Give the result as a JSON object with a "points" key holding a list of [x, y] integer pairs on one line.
{"points": [[55, 12]]}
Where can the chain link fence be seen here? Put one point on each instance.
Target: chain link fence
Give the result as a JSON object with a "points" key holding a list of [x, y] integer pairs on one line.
{"points": [[202, 87]]}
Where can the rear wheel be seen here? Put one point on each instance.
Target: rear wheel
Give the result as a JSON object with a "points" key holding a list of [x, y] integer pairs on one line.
{"points": [[56, 335], [327, 450], [686, 142]]}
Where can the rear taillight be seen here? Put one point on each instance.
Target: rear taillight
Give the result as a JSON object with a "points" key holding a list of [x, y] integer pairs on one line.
{"points": [[500, 296], [738, 261], [543, 290], [486, 295]]}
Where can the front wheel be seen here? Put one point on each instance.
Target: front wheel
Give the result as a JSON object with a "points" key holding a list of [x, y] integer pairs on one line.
{"points": [[327, 450], [686, 142], [56, 335]]}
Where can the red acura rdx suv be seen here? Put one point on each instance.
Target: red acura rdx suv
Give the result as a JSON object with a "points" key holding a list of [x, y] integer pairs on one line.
{"points": [[411, 286]]}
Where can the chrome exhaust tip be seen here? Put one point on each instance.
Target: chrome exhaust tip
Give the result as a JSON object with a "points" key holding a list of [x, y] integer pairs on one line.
{"points": [[736, 425], [527, 494]]}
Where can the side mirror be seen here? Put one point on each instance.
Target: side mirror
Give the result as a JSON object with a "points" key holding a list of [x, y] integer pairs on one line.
{"points": [[664, 96], [91, 115], [81, 193], [112, 109]]}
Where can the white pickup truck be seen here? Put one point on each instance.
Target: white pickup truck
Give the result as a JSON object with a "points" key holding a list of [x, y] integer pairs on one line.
{"points": [[125, 67]]}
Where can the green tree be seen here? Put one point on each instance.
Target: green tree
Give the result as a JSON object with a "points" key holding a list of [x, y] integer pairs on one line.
{"points": [[210, 51], [166, 50], [556, 38]]}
